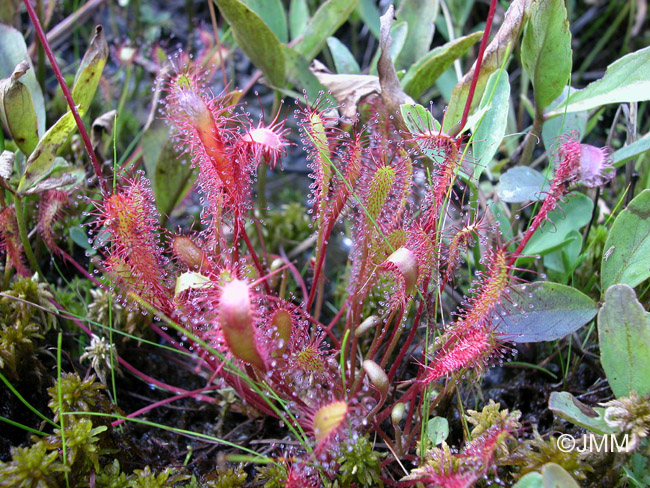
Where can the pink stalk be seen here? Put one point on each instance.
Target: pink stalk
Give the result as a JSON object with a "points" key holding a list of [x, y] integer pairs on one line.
{"points": [[479, 62], [196, 394], [153, 381], [256, 260], [68, 96]]}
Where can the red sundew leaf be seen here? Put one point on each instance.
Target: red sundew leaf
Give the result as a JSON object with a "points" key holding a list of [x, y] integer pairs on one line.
{"points": [[543, 311]]}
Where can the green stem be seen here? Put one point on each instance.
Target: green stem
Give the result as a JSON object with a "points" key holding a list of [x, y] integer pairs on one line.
{"points": [[22, 230], [532, 138]]}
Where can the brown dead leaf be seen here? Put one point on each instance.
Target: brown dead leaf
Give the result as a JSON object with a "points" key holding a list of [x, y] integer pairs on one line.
{"points": [[391, 89], [348, 90]]}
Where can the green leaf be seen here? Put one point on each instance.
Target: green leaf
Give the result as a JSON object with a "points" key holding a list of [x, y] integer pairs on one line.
{"points": [[299, 74], [573, 214], [12, 51], [418, 119], [626, 80], [256, 39], [496, 55], [555, 476], [369, 13], [565, 405], [628, 245], [546, 50], [490, 130], [171, 179], [437, 430], [273, 14], [325, 22], [421, 75], [17, 110], [624, 337], [630, 151], [39, 163], [543, 311], [343, 59], [90, 71], [298, 17], [529, 480], [555, 127], [565, 259], [420, 16], [522, 184]]}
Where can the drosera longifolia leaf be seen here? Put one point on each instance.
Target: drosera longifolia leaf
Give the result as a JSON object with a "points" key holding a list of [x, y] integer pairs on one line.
{"points": [[573, 214], [344, 61], [565, 405], [630, 151], [490, 130], [555, 476], [326, 20], [628, 245], [530, 480], [546, 50], [493, 59], [422, 75], [624, 338], [420, 16], [298, 17], [256, 39], [273, 14], [626, 80], [90, 71], [17, 111], [543, 311], [522, 184], [13, 50]]}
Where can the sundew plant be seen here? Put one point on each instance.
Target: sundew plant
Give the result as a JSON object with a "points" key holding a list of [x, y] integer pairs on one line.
{"points": [[374, 330]]}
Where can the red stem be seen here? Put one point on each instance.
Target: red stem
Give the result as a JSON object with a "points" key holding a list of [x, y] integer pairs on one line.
{"points": [[477, 69], [68, 96]]}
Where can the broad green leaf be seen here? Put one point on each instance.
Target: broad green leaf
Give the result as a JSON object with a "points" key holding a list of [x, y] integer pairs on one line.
{"points": [[628, 245], [171, 179], [555, 476], [273, 14], [530, 480], [418, 119], [624, 338], [573, 214], [369, 13], [298, 17], [256, 39], [543, 311], [437, 430], [12, 51], [39, 163], [299, 74], [343, 59], [565, 405], [546, 50], [90, 71], [491, 129], [565, 259], [421, 76], [626, 80], [398, 35], [325, 22], [630, 151], [555, 127], [17, 110], [495, 57], [420, 16], [522, 184]]}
